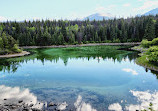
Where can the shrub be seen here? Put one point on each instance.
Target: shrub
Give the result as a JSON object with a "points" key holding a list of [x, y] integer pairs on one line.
{"points": [[146, 43], [2, 52], [85, 42], [116, 41], [75, 43], [92, 41], [108, 41], [152, 54], [153, 49], [154, 41], [153, 57], [7, 51], [16, 49]]}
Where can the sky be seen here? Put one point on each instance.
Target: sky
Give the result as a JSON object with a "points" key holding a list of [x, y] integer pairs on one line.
{"points": [[71, 9]]}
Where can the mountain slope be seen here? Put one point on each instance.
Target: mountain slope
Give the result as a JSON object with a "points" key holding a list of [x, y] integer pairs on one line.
{"points": [[99, 16], [152, 12]]}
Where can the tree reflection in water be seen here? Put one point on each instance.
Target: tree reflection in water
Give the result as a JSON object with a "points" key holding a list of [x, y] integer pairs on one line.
{"points": [[54, 54]]}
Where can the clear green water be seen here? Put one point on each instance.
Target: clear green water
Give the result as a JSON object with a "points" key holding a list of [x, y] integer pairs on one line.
{"points": [[102, 75]]}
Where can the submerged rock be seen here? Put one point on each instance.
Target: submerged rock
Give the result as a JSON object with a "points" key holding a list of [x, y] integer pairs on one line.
{"points": [[20, 101], [51, 104], [31, 105], [62, 106]]}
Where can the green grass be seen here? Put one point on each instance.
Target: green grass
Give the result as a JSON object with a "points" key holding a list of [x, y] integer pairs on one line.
{"points": [[139, 48]]}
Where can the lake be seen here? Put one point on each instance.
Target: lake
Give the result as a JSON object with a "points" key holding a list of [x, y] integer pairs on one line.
{"points": [[92, 78]]}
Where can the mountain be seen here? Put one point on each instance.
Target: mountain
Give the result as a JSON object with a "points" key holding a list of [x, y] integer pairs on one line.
{"points": [[99, 16], [152, 12]]}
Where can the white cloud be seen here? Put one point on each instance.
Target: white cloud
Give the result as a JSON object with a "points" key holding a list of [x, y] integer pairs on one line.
{"points": [[2, 19], [127, 5], [82, 106], [34, 18], [74, 16], [147, 5], [115, 107], [101, 9], [130, 70]]}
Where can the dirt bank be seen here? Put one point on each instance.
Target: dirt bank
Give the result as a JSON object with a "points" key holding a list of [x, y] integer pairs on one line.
{"points": [[23, 53]]}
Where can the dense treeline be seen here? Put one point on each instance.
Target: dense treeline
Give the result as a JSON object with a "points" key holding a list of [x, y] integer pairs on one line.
{"points": [[61, 32]]}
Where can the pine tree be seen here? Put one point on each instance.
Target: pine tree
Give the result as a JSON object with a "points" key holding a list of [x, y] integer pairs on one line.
{"points": [[150, 30], [156, 28], [71, 37], [61, 39], [96, 37], [5, 41], [1, 43], [63, 31]]}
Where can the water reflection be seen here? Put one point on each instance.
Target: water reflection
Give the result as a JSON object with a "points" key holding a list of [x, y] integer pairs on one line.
{"points": [[20, 97], [82, 106], [98, 83], [134, 72], [143, 100], [9, 66], [155, 73], [54, 55], [16, 96], [115, 107], [23, 99]]}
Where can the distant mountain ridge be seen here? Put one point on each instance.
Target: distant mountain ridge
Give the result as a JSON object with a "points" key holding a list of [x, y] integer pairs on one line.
{"points": [[99, 16], [152, 12]]}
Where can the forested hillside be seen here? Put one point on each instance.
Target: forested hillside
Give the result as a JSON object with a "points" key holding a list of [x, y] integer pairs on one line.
{"points": [[61, 32]]}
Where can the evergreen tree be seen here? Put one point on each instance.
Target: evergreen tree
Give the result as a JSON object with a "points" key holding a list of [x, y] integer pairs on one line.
{"points": [[5, 41], [96, 37], [156, 28], [61, 39], [150, 30], [1, 43], [45, 39]]}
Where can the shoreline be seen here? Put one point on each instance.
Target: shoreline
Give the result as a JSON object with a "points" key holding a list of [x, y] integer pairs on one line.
{"points": [[23, 53], [81, 45], [148, 67], [145, 63]]}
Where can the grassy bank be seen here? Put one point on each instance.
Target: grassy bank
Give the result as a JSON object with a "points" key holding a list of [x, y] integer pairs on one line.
{"points": [[143, 61], [149, 54]]}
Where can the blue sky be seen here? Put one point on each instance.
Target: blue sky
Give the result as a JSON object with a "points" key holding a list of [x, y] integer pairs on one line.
{"points": [[71, 9]]}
